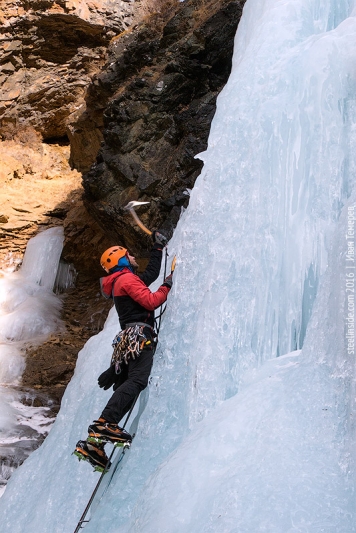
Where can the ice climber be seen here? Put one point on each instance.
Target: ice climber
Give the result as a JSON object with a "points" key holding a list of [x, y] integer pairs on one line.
{"points": [[134, 346]]}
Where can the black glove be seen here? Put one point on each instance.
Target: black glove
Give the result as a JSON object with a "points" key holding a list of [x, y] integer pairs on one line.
{"points": [[107, 378], [168, 282], [159, 238]]}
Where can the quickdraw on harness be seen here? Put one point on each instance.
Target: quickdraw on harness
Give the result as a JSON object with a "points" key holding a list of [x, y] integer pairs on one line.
{"points": [[128, 344]]}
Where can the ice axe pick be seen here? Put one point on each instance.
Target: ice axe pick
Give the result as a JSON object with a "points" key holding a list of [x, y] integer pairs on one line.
{"points": [[131, 207]]}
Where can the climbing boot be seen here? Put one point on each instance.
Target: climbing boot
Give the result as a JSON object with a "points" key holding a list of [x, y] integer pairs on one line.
{"points": [[93, 453], [101, 431]]}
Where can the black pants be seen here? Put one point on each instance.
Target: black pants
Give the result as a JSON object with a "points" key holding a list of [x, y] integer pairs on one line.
{"points": [[133, 379]]}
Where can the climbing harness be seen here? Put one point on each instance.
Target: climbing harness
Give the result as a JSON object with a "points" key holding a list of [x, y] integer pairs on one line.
{"points": [[129, 343]]}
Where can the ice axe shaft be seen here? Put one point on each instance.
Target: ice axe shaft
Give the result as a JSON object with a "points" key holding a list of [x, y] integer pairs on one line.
{"points": [[131, 207], [138, 221]]}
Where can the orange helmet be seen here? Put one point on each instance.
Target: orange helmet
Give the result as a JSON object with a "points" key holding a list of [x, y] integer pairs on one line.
{"points": [[112, 256]]}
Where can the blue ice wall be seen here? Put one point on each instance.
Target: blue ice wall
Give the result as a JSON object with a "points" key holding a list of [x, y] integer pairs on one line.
{"points": [[248, 426]]}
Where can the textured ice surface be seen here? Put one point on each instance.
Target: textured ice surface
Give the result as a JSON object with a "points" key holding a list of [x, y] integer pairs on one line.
{"points": [[234, 439]]}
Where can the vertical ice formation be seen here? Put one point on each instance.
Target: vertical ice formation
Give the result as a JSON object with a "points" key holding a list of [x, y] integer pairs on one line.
{"points": [[260, 259], [40, 262], [279, 456], [29, 308], [65, 278], [29, 311]]}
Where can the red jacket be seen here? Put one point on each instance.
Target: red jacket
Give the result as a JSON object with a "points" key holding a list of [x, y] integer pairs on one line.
{"points": [[133, 299]]}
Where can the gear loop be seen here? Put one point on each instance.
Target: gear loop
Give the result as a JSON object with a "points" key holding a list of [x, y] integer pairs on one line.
{"points": [[128, 344]]}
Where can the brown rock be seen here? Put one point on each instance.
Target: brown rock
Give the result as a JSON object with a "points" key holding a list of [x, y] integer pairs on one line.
{"points": [[11, 88], [32, 200], [156, 98], [49, 51]]}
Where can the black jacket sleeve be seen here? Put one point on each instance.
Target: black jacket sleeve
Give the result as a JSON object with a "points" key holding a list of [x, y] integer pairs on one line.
{"points": [[154, 266]]}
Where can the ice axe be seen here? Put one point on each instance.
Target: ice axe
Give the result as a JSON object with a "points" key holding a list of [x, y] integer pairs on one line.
{"points": [[131, 207]]}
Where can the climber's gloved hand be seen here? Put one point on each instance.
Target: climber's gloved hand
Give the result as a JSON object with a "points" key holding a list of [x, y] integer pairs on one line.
{"points": [[107, 378], [159, 237], [168, 282]]}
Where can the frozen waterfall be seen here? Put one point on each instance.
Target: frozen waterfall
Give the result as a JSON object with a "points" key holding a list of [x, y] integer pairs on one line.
{"points": [[29, 312], [249, 423]]}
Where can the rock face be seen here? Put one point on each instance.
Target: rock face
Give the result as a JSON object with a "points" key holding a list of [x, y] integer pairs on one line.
{"points": [[48, 52], [38, 188], [154, 102]]}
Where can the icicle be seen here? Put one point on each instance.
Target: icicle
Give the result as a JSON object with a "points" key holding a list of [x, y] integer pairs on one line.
{"points": [[41, 258], [66, 276]]}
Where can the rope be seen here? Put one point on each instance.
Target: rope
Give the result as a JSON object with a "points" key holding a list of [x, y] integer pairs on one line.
{"points": [[158, 318]]}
